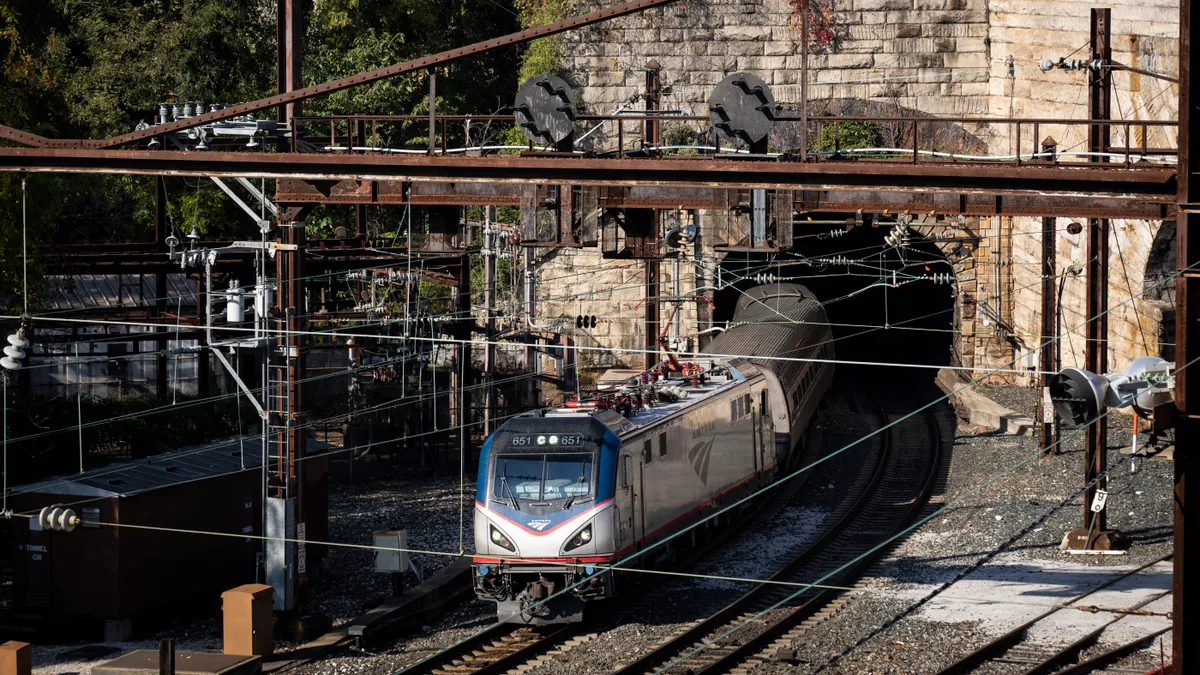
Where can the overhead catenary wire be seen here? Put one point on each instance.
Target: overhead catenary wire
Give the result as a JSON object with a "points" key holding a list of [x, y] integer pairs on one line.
{"points": [[626, 350], [443, 340], [432, 432], [312, 423], [451, 316], [379, 407], [583, 272], [1033, 456], [829, 456], [772, 486], [24, 252], [1069, 500], [969, 384]]}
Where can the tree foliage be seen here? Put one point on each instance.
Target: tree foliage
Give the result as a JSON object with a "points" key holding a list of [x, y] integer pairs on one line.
{"points": [[86, 69], [544, 55], [849, 135]]}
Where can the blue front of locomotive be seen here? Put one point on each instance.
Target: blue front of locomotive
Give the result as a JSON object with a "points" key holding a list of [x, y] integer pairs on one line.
{"points": [[544, 516]]}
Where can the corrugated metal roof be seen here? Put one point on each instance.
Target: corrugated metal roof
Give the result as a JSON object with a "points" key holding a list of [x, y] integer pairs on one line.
{"points": [[85, 291], [162, 471]]}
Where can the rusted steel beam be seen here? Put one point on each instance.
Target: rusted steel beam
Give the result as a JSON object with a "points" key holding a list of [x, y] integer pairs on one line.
{"points": [[1149, 208], [671, 197], [24, 138], [297, 95], [1111, 181], [1186, 593], [289, 25], [1049, 325]]}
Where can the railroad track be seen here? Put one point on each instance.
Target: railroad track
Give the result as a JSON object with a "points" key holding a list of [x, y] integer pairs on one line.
{"points": [[498, 649], [1011, 652], [765, 620]]}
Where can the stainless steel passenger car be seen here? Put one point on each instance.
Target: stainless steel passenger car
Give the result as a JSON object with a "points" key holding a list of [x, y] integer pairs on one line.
{"points": [[563, 496]]}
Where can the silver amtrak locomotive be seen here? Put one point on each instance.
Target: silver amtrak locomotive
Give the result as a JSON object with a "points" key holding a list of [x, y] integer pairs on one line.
{"points": [[569, 493]]}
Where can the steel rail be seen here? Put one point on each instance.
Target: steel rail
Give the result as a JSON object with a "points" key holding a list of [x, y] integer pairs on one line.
{"points": [[968, 663], [794, 616], [1052, 662], [1110, 656], [472, 655], [683, 642], [422, 63]]}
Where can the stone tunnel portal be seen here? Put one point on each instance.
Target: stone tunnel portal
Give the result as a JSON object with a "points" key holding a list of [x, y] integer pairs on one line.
{"points": [[886, 303]]}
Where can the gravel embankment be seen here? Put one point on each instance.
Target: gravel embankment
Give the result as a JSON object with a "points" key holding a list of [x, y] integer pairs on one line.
{"points": [[999, 495], [381, 498]]}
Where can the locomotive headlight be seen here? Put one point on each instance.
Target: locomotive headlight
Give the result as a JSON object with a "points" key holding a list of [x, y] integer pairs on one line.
{"points": [[579, 538], [500, 540]]}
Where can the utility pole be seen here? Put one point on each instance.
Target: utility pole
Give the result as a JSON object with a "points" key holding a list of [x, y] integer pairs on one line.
{"points": [[432, 110], [460, 372], [289, 34], [653, 102], [161, 229], [1095, 535], [1049, 332], [652, 311], [1187, 348], [490, 253], [803, 81], [287, 563], [650, 244], [286, 557], [360, 210], [532, 360]]}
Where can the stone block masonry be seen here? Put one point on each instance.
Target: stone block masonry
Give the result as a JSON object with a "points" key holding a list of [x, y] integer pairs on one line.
{"points": [[927, 57], [698, 43]]}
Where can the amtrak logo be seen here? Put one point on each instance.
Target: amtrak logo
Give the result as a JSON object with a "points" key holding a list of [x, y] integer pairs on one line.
{"points": [[699, 456], [538, 525]]}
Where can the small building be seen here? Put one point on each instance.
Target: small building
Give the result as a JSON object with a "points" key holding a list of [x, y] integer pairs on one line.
{"points": [[155, 533], [115, 360]]}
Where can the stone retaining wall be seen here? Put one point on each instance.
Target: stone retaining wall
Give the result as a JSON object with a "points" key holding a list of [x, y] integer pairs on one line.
{"points": [[944, 58]]}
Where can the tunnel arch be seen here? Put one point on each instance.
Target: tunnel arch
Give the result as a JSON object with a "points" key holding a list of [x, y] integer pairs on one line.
{"points": [[876, 316]]}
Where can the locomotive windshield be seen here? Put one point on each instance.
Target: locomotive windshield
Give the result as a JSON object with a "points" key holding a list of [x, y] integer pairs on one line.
{"points": [[541, 478]]}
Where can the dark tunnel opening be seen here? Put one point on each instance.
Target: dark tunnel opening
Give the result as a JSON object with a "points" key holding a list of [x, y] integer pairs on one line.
{"points": [[886, 304]]}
